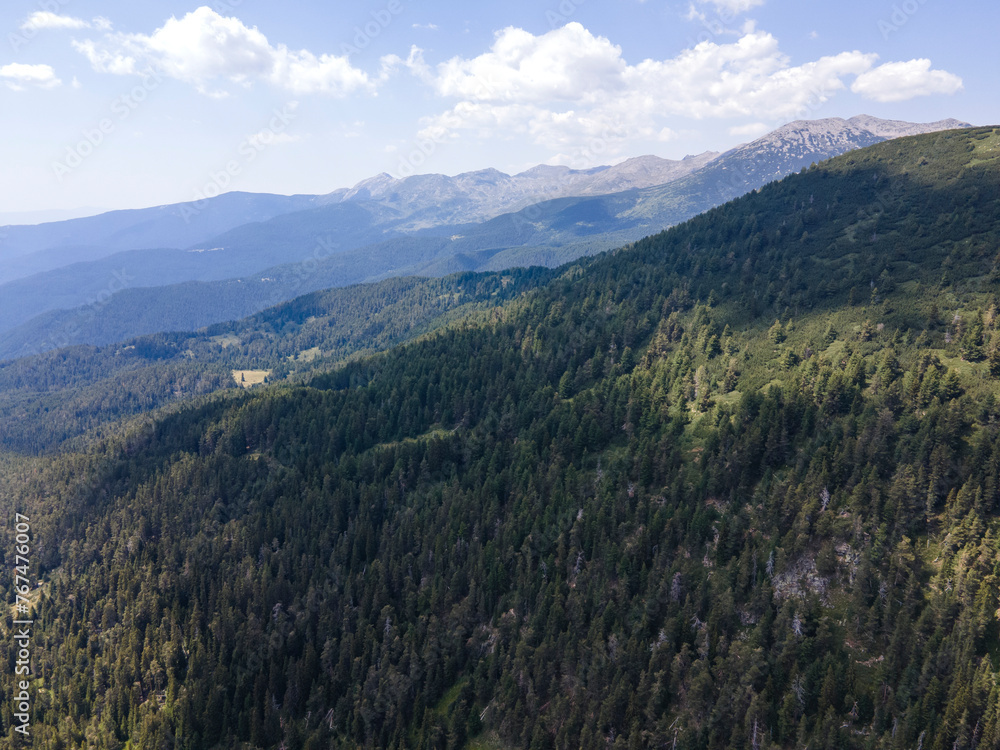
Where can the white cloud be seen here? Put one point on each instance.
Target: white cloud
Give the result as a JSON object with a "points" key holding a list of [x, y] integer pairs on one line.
{"points": [[204, 46], [899, 81], [429, 26], [568, 64], [104, 60], [568, 87], [18, 76], [414, 63], [43, 19]]}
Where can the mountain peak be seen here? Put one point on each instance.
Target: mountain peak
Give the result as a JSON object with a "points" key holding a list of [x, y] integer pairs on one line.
{"points": [[372, 187], [882, 129], [899, 128]]}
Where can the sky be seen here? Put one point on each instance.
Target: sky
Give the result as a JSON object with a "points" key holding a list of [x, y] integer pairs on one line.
{"points": [[117, 104]]}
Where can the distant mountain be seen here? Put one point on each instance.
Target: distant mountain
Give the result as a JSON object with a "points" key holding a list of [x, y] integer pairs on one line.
{"points": [[48, 215], [434, 200], [606, 205], [407, 204], [385, 227], [261, 245], [611, 220], [65, 264], [30, 249]]}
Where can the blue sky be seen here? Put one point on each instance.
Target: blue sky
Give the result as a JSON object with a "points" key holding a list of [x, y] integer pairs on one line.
{"points": [[123, 105]]}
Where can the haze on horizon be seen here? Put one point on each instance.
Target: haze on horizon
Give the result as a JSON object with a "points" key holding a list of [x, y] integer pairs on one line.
{"points": [[112, 105]]}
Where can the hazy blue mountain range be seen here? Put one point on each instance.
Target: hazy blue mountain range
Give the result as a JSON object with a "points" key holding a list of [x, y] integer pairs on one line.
{"points": [[415, 202], [48, 215], [181, 225], [426, 224]]}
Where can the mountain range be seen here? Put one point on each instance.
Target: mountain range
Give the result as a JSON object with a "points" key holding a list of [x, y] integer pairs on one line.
{"points": [[733, 485], [125, 273]]}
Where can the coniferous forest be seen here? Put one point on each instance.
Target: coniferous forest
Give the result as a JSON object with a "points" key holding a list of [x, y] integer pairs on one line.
{"points": [[736, 485]]}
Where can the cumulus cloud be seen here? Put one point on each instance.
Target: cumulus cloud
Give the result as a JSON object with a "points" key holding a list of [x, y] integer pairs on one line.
{"points": [[568, 63], [43, 19], [568, 87], [19, 76], [899, 81], [203, 47], [568, 84]]}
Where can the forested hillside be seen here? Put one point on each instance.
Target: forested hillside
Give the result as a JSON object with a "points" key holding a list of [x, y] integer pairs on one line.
{"points": [[733, 486], [51, 398]]}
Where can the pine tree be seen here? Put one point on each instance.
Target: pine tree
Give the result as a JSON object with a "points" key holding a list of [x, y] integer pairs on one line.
{"points": [[951, 386], [776, 333], [972, 340]]}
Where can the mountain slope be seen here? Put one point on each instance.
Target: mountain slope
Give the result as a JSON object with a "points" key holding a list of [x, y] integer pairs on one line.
{"points": [[427, 200], [631, 508], [576, 206], [28, 249], [784, 151], [433, 200], [49, 399], [262, 245], [262, 231], [360, 236]]}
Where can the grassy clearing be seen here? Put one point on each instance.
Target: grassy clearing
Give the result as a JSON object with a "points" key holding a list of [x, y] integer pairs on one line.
{"points": [[307, 355], [225, 340], [250, 378], [436, 431]]}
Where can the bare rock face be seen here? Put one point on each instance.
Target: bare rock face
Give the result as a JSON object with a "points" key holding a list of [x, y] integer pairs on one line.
{"points": [[435, 199], [802, 142]]}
